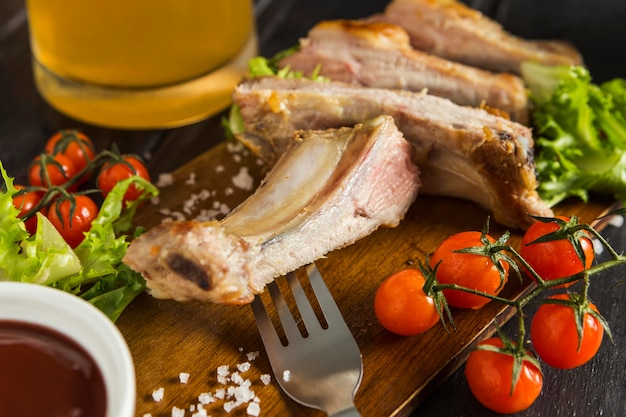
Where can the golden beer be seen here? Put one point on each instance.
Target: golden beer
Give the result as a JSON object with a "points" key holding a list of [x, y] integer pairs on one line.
{"points": [[140, 63]]}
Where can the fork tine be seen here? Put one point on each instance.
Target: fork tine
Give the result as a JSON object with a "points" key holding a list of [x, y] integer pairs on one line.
{"points": [[325, 299], [287, 321], [309, 318], [264, 323]]}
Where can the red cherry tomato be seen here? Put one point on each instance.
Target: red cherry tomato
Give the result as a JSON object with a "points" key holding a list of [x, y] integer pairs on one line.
{"points": [[111, 174], [489, 375], [74, 144], [402, 307], [555, 338], [468, 270], [73, 222], [47, 171], [25, 202], [556, 258]]}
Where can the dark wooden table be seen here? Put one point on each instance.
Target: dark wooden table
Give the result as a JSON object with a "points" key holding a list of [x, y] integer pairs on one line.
{"points": [[596, 27]]}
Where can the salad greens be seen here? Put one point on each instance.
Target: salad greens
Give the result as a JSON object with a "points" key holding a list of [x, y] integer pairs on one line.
{"points": [[94, 270], [260, 66], [580, 130]]}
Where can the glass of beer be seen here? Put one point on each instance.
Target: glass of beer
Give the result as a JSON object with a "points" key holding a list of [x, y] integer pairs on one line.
{"points": [[140, 64]]}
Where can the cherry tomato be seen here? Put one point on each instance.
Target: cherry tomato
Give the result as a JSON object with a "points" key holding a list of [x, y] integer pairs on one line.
{"points": [[402, 307], [489, 376], [111, 174], [73, 222], [26, 202], [553, 259], [73, 144], [468, 270], [47, 171], [555, 338]]}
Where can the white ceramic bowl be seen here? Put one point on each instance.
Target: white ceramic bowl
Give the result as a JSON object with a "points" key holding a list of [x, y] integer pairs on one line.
{"points": [[85, 324]]}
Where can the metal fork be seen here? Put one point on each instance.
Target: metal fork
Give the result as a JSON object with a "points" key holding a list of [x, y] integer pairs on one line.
{"points": [[323, 369]]}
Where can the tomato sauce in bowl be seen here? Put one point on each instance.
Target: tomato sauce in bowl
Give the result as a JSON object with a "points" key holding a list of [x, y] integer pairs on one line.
{"points": [[46, 373], [58, 353]]}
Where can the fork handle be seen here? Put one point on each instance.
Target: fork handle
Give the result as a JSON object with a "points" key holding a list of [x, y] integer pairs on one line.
{"points": [[348, 412]]}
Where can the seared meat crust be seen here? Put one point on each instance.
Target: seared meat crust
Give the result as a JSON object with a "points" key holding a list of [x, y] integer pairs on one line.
{"points": [[461, 151], [378, 54]]}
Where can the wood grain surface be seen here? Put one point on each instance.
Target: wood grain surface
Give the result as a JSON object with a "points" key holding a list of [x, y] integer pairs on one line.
{"points": [[168, 337]]}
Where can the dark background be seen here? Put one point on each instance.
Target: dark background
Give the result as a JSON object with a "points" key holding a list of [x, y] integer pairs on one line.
{"points": [[596, 27]]}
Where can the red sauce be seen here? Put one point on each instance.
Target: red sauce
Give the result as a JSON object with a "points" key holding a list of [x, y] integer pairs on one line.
{"points": [[45, 373]]}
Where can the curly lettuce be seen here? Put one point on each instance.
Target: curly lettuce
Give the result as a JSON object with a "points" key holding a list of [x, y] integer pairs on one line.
{"points": [[94, 269], [580, 132]]}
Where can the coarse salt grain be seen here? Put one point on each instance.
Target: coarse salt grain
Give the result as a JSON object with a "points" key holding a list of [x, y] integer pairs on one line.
{"points": [[165, 180], [157, 395], [266, 378], [243, 179], [287, 375], [243, 367], [183, 377], [177, 412], [236, 378], [206, 398], [220, 393], [191, 180], [230, 406], [254, 409], [252, 355]]}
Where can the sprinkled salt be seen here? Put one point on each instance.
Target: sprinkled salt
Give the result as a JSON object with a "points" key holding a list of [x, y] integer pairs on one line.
{"points": [[252, 355], [254, 409], [177, 412], [243, 367], [287, 375], [229, 406], [183, 377], [616, 221], [206, 398], [266, 378], [191, 180], [236, 378], [165, 180], [598, 248], [220, 393], [243, 179], [158, 394]]}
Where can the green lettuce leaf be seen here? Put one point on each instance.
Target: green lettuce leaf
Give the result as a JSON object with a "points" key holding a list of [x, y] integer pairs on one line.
{"points": [[93, 270], [580, 131]]}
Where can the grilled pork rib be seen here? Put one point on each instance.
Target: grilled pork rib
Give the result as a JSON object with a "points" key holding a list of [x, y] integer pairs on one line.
{"points": [[328, 190], [452, 30], [461, 151], [378, 54]]}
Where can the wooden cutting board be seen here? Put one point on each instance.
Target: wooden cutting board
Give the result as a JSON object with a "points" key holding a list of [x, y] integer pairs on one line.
{"points": [[167, 337]]}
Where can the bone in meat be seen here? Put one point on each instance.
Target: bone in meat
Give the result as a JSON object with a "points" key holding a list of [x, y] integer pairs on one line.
{"points": [[378, 54], [329, 189], [452, 30], [461, 151]]}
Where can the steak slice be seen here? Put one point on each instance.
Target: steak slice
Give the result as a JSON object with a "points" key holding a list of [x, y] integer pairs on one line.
{"points": [[378, 54], [461, 151], [450, 29], [328, 190]]}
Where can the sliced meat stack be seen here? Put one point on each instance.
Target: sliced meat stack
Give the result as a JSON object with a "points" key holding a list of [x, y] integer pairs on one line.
{"points": [[378, 54], [461, 151], [450, 29]]}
